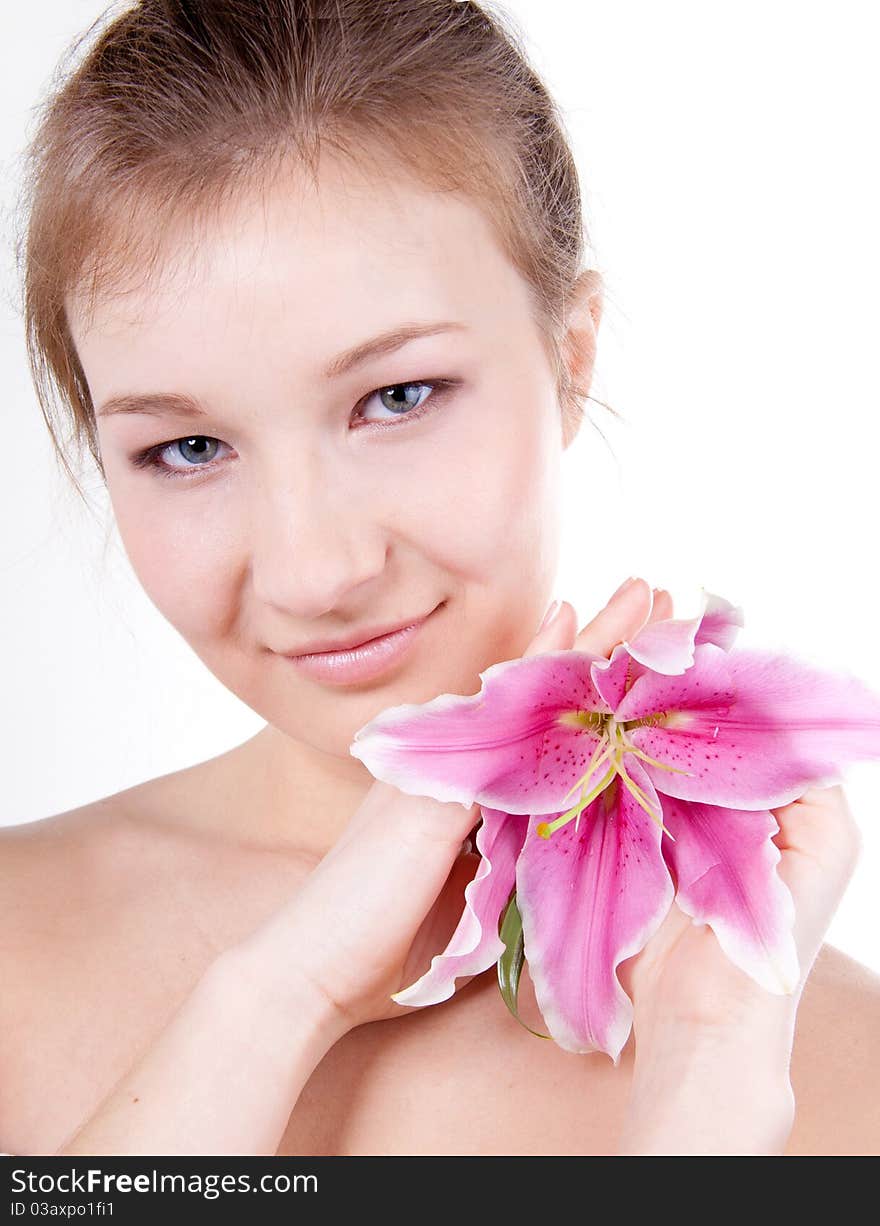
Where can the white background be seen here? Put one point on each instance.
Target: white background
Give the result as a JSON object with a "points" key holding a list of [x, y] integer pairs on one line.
{"points": [[728, 160]]}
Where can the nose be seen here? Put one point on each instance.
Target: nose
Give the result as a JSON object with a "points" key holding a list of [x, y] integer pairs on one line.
{"points": [[313, 541]]}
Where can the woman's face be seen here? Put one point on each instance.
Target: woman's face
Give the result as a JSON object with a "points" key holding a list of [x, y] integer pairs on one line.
{"points": [[301, 504]]}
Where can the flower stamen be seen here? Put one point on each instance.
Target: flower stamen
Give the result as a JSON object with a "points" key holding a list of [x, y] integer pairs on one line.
{"points": [[602, 751], [545, 829], [642, 799], [614, 746]]}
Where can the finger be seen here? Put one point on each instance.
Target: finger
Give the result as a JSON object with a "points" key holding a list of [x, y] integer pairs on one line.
{"points": [[397, 852], [386, 813], [662, 605], [558, 634], [623, 616], [821, 826], [821, 843]]}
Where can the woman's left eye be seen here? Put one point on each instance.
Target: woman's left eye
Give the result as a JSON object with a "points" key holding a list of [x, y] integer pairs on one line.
{"points": [[396, 398], [403, 401]]}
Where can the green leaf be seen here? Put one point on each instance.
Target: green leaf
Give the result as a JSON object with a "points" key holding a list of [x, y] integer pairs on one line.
{"points": [[510, 963]]}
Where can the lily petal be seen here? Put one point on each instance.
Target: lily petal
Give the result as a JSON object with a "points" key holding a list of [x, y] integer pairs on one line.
{"points": [[753, 729], [589, 899], [666, 647], [613, 676], [502, 747], [475, 945], [724, 861], [721, 622]]}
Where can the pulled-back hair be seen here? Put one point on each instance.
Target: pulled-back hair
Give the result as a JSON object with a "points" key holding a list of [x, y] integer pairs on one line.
{"points": [[177, 105]]}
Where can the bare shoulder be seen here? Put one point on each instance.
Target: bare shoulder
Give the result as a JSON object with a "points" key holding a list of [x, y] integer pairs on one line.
{"points": [[835, 1066], [68, 862], [109, 915], [56, 875], [73, 848], [128, 880], [43, 862], [101, 935]]}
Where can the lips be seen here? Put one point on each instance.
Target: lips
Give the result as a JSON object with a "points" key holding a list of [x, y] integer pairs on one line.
{"points": [[364, 662], [324, 646], [349, 644]]}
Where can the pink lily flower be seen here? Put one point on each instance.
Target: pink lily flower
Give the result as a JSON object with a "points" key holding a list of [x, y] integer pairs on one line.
{"points": [[677, 748]]}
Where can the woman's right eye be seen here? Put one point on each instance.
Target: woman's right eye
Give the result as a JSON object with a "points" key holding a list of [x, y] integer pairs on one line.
{"points": [[197, 450]]}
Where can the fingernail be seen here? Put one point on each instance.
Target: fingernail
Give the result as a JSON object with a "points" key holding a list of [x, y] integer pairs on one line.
{"points": [[549, 615], [624, 587]]}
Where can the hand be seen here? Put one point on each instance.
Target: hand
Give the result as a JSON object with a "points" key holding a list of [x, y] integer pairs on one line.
{"points": [[712, 1047], [368, 919], [697, 1018], [682, 970], [682, 973]]}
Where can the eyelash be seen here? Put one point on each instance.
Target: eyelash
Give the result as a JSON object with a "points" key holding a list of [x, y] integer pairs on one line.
{"points": [[150, 457]]}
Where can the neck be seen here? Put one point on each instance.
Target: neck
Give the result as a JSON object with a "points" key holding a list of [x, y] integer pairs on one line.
{"points": [[302, 797]]}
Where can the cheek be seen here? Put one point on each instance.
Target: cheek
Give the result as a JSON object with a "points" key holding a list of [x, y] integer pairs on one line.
{"points": [[488, 498], [185, 561]]}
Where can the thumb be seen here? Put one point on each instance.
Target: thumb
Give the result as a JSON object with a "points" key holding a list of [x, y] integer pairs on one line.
{"points": [[557, 632]]}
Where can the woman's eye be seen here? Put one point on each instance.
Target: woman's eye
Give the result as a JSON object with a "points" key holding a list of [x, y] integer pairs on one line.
{"points": [[397, 402], [196, 451], [399, 399], [180, 457]]}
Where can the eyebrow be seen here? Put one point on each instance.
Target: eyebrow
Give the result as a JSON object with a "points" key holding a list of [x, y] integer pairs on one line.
{"points": [[173, 404]]}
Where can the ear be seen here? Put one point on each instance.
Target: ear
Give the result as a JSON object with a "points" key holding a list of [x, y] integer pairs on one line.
{"points": [[583, 315]]}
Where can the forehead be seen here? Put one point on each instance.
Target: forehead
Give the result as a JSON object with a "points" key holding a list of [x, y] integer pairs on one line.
{"points": [[327, 260]]}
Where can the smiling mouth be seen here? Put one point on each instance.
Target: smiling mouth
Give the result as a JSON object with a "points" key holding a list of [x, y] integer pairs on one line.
{"points": [[340, 649], [367, 660], [354, 647]]}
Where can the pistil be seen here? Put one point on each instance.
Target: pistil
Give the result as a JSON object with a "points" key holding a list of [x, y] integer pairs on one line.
{"points": [[614, 746]]}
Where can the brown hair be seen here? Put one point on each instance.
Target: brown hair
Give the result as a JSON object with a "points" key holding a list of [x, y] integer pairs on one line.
{"points": [[178, 104]]}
